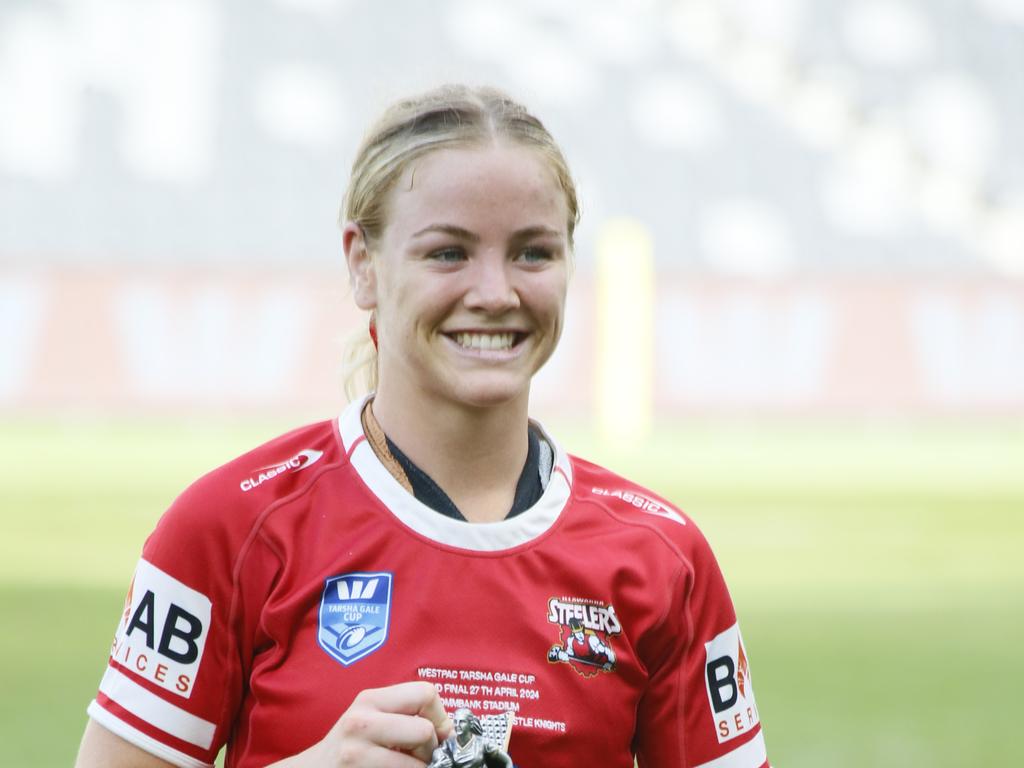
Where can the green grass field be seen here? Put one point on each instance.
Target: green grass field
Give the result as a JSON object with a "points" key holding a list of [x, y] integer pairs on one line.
{"points": [[876, 571]]}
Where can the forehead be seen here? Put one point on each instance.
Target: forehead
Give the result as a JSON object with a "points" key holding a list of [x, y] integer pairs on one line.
{"points": [[480, 188]]}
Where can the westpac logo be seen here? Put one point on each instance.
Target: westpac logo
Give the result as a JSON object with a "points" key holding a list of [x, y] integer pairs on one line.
{"points": [[354, 615]]}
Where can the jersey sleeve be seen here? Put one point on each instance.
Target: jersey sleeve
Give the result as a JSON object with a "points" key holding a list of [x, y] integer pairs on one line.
{"points": [[182, 645], [699, 709]]}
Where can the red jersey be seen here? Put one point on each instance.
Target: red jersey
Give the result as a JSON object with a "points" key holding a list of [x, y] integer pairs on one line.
{"points": [[283, 583]]}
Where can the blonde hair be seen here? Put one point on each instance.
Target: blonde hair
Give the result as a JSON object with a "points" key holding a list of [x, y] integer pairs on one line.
{"points": [[446, 117]]}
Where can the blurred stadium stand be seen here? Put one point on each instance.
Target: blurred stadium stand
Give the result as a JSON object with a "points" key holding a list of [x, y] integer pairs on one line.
{"points": [[834, 192]]}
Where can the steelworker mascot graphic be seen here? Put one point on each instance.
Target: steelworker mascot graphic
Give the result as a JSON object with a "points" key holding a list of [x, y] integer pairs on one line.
{"points": [[585, 630]]}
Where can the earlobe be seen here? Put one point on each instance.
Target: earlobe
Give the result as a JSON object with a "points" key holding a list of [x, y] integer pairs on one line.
{"points": [[361, 274]]}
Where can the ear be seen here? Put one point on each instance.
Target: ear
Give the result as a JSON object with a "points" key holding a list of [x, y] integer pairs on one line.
{"points": [[361, 273]]}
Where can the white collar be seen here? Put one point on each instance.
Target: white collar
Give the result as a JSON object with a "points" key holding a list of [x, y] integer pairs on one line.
{"points": [[482, 537]]}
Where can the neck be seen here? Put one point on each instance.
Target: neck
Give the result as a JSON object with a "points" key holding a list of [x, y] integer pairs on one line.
{"points": [[474, 454]]}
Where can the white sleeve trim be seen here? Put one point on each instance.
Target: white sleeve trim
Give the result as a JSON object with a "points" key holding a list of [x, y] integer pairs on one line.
{"points": [[152, 709], [751, 755], [141, 740]]}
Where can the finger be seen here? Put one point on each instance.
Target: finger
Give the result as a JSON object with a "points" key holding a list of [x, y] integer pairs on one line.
{"points": [[434, 712], [415, 698], [409, 733], [424, 752], [403, 698]]}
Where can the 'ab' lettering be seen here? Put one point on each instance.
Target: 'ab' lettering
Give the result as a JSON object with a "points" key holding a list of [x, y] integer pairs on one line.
{"points": [[717, 681], [180, 632]]}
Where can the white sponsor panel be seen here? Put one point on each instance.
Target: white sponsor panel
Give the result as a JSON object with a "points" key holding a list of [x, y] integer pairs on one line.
{"points": [[729, 688], [162, 633]]}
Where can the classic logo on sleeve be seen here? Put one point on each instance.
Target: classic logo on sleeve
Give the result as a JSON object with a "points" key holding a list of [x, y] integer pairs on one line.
{"points": [[299, 461], [585, 632], [354, 615], [642, 503], [163, 630], [730, 692]]}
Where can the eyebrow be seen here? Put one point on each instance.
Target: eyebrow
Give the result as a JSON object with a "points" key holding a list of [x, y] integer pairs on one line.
{"points": [[449, 229], [464, 234]]}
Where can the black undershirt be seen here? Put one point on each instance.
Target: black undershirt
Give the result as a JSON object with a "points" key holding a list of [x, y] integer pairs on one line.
{"points": [[528, 489]]}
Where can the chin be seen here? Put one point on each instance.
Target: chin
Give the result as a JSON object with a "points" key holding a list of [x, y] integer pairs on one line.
{"points": [[490, 394]]}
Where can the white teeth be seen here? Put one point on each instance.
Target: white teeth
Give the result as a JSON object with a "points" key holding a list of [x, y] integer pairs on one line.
{"points": [[485, 340]]}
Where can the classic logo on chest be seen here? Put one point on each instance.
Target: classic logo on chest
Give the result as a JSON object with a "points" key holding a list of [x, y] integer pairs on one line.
{"points": [[355, 611]]}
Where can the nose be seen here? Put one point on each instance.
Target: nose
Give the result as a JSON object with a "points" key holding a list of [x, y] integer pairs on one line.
{"points": [[491, 285]]}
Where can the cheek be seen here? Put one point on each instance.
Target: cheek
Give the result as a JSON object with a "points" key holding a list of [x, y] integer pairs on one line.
{"points": [[415, 302], [548, 299]]}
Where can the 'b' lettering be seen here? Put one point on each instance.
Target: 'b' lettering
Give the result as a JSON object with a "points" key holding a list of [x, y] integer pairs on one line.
{"points": [[721, 676], [187, 634]]}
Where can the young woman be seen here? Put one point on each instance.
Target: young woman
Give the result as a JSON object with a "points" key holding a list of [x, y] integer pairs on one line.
{"points": [[327, 598]]}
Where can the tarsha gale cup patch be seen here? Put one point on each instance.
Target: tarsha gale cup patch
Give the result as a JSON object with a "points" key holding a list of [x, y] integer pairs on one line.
{"points": [[355, 611]]}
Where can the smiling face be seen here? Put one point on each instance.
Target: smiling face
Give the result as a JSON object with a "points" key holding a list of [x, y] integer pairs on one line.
{"points": [[468, 278]]}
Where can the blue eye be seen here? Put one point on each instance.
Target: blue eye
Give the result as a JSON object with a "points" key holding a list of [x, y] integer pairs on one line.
{"points": [[448, 254], [535, 253]]}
